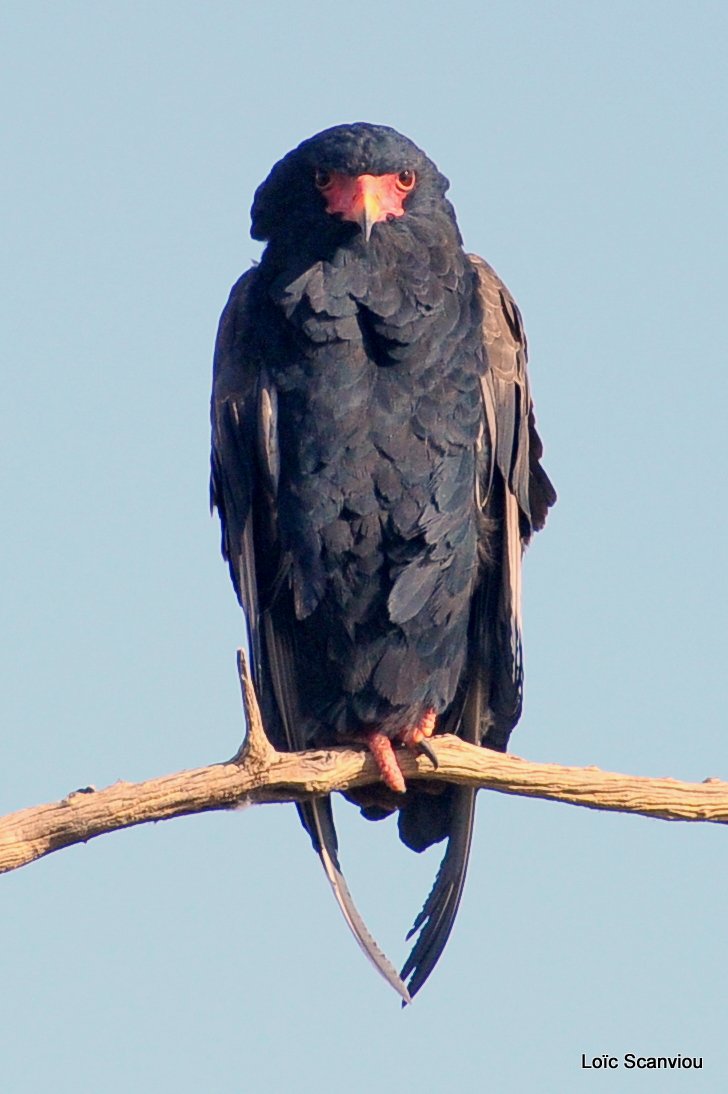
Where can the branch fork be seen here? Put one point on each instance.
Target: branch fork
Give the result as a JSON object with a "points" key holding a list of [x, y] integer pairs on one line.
{"points": [[259, 774]]}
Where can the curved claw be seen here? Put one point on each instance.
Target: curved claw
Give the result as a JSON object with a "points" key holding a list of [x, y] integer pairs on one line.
{"points": [[424, 748]]}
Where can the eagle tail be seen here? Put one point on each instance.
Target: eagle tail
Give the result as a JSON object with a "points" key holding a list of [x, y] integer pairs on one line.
{"points": [[317, 819], [435, 921], [316, 816]]}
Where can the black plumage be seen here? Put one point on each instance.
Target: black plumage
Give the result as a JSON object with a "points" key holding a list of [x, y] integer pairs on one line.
{"points": [[376, 468]]}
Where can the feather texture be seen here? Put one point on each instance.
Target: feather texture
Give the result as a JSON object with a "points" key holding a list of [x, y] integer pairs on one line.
{"points": [[377, 471]]}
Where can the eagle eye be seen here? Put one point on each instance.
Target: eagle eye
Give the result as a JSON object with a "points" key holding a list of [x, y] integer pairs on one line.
{"points": [[322, 179]]}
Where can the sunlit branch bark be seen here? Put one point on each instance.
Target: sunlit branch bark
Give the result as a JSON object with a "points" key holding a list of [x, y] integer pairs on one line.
{"points": [[259, 774]]}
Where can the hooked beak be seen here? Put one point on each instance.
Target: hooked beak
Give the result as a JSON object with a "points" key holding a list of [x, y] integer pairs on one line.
{"points": [[365, 200], [370, 205]]}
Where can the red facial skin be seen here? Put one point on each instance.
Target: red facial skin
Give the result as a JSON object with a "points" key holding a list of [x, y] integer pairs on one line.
{"points": [[367, 199]]}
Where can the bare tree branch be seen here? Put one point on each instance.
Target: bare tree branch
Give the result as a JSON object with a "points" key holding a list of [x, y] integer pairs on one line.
{"points": [[259, 774]]}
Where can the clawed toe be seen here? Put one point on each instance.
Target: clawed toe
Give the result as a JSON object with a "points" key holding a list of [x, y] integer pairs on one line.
{"points": [[415, 738]]}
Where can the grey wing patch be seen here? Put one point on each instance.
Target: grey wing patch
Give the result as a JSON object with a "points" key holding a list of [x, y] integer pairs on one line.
{"points": [[233, 415], [268, 432], [508, 402], [516, 488]]}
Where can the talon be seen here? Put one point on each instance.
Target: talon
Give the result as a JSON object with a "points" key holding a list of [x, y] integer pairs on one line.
{"points": [[424, 748], [413, 737]]}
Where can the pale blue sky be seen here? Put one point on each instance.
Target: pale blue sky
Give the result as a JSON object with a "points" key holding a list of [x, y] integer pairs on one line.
{"points": [[587, 152]]}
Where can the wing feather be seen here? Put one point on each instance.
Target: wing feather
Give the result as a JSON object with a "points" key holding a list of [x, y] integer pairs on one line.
{"points": [[519, 492], [514, 494], [243, 489]]}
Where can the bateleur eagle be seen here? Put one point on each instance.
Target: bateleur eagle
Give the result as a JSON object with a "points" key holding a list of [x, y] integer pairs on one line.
{"points": [[376, 468]]}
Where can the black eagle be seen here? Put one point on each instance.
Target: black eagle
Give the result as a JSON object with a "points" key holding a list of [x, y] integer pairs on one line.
{"points": [[376, 468]]}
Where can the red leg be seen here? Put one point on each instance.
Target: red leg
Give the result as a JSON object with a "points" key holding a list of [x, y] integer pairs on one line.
{"points": [[381, 749], [413, 738]]}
